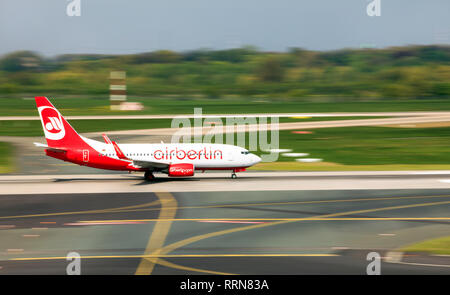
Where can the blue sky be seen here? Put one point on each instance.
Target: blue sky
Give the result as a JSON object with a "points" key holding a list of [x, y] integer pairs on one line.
{"points": [[119, 26]]}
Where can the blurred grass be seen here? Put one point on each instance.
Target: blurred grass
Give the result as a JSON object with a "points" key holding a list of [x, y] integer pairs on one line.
{"points": [[166, 105], [347, 148], [404, 148], [434, 246], [371, 145], [6, 157], [34, 128]]}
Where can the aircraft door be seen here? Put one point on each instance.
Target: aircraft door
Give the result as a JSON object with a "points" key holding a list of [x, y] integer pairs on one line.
{"points": [[231, 155], [85, 156]]}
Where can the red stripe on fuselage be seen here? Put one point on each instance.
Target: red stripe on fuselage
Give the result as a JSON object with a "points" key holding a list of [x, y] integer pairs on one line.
{"points": [[94, 159]]}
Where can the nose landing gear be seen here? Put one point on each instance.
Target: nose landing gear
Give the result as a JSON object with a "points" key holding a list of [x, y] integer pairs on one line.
{"points": [[233, 175]]}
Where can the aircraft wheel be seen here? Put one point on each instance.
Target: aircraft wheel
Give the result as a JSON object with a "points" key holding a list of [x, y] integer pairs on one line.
{"points": [[233, 176], [148, 175]]}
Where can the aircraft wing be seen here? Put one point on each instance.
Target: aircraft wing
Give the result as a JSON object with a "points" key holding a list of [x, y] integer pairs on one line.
{"points": [[136, 163], [150, 164]]}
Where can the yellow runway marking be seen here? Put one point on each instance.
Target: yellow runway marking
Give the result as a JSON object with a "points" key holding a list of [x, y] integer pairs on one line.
{"points": [[110, 210], [273, 219], [296, 203], [147, 267], [172, 247], [141, 207], [159, 234], [166, 263], [181, 256], [182, 267]]}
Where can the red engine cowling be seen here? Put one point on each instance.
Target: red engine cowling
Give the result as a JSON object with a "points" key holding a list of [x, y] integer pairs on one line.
{"points": [[177, 170]]}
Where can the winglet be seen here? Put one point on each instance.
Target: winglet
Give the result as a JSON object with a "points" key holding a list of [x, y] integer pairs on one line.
{"points": [[106, 138], [119, 152]]}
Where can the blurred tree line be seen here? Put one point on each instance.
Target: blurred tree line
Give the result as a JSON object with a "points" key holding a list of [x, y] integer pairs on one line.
{"points": [[413, 71]]}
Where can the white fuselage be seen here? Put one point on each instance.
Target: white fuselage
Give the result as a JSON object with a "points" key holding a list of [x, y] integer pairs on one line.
{"points": [[202, 156]]}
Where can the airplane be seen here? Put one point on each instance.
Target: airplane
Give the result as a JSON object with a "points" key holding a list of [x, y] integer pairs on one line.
{"points": [[176, 160]]}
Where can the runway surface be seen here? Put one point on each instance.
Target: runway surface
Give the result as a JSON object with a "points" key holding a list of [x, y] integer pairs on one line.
{"points": [[283, 223], [221, 181]]}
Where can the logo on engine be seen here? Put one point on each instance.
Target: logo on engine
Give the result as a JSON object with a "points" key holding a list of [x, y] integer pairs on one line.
{"points": [[52, 123], [181, 170]]}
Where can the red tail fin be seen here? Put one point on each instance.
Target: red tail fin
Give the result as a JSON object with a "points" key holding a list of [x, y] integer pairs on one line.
{"points": [[57, 130]]}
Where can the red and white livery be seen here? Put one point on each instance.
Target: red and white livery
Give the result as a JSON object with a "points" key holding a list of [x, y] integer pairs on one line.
{"points": [[177, 160]]}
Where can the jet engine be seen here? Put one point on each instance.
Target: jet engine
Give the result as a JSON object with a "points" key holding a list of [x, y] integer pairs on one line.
{"points": [[180, 170]]}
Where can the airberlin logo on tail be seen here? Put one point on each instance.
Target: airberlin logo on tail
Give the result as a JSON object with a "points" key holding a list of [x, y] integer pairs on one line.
{"points": [[52, 123]]}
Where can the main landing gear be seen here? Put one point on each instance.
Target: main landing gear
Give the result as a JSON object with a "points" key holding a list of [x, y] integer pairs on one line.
{"points": [[148, 175], [233, 175]]}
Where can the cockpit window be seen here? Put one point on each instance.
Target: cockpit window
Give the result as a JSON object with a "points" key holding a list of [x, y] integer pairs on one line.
{"points": [[245, 152]]}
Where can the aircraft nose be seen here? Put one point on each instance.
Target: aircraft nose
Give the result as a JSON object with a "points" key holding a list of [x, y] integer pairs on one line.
{"points": [[255, 159]]}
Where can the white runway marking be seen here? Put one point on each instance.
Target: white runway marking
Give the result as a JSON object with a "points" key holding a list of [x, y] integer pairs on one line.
{"points": [[308, 160], [295, 154], [439, 172]]}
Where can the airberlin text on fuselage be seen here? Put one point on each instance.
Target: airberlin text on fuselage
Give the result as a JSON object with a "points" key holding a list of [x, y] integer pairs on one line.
{"points": [[181, 154]]}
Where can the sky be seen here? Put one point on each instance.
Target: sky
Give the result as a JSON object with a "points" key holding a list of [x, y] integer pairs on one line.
{"points": [[122, 27]]}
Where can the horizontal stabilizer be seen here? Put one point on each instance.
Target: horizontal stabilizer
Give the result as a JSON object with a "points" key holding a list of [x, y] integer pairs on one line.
{"points": [[49, 148], [38, 144]]}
